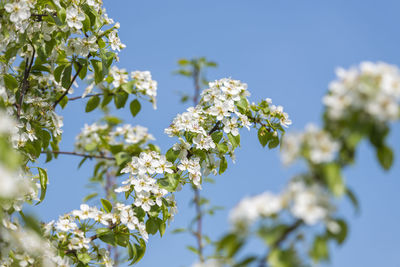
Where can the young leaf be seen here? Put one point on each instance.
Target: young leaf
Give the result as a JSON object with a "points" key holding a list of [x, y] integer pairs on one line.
{"points": [[66, 78], [135, 107], [263, 136], [43, 184], [222, 165], [92, 104], [385, 156], [98, 71], [106, 205]]}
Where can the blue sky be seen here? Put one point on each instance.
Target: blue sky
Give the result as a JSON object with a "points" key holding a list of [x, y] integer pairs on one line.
{"points": [[285, 50]]}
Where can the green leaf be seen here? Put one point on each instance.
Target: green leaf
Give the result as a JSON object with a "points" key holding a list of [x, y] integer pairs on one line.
{"points": [[193, 249], [58, 71], [45, 138], [84, 258], [140, 250], [385, 156], [172, 155], [216, 137], [263, 136], [222, 148], [86, 23], [66, 78], [161, 228], [341, 234], [170, 182], [135, 107], [178, 230], [242, 104], [152, 226], [106, 99], [83, 72], [10, 82], [235, 140], [103, 231], [334, 179], [82, 161], [98, 71], [122, 239], [43, 183], [274, 142], [223, 165], [231, 244], [353, 199], [245, 262], [106, 205], [131, 251], [108, 238], [122, 157], [92, 104], [186, 73], [319, 251], [90, 146], [89, 197], [127, 87], [183, 62], [120, 99], [31, 223]]}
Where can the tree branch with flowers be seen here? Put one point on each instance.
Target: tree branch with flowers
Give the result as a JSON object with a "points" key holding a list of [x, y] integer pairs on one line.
{"points": [[47, 45]]}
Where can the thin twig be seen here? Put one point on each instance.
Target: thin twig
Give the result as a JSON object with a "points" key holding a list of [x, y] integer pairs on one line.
{"points": [[70, 85], [79, 154], [81, 97], [199, 214]]}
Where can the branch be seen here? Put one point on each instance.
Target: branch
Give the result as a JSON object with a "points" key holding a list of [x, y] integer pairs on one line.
{"points": [[80, 97], [196, 78], [79, 154], [69, 87], [199, 215], [25, 84], [39, 17], [198, 233]]}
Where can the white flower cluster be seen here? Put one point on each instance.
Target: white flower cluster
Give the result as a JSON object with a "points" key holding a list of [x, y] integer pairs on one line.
{"points": [[218, 102], [19, 10], [372, 89], [39, 112], [144, 83], [308, 203], [90, 135], [131, 134], [15, 187], [250, 209], [75, 17], [277, 111], [142, 170], [7, 124], [314, 144], [67, 223], [209, 263], [28, 248], [216, 105], [81, 46]]}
